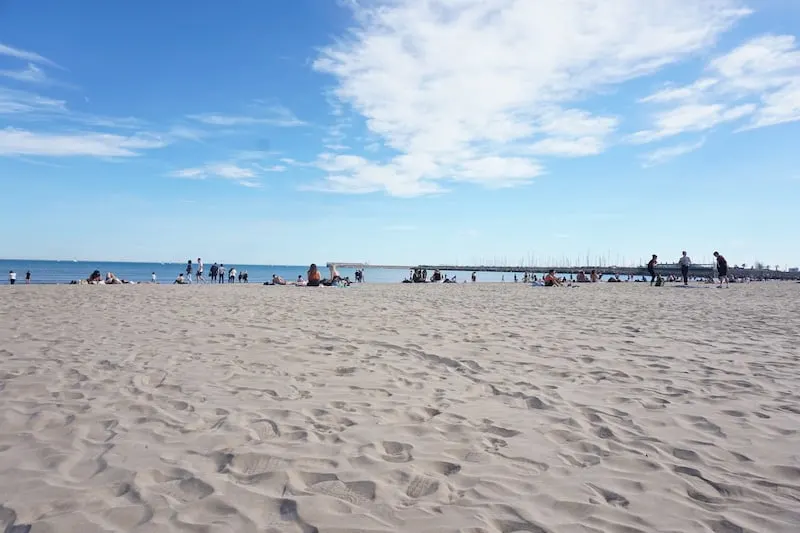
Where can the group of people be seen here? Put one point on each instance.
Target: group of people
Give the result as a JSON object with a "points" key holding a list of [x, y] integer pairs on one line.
{"points": [[217, 273], [12, 277], [315, 278], [420, 275], [685, 262]]}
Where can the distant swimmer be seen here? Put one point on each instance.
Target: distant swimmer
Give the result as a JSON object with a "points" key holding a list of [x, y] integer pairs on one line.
{"points": [[685, 263], [651, 268], [722, 269]]}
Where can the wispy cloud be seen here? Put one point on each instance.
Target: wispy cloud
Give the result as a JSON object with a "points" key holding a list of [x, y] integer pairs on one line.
{"points": [[759, 80], [246, 176], [269, 115], [459, 96], [25, 55], [691, 118], [218, 170], [662, 155], [22, 142], [14, 102], [30, 74]]}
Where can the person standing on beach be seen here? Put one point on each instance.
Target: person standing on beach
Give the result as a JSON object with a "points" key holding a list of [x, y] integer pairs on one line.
{"points": [[200, 271], [28, 277], [651, 268], [221, 273], [685, 263], [12, 277], [153, 278], [722, 269], [474, 277], [189, 271]]}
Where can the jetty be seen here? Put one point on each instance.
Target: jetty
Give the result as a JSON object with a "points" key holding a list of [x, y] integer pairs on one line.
{"points": [[697, 270]]}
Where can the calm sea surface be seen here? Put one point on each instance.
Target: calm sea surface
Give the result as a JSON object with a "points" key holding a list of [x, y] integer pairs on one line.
{"points": [[66, 271]]}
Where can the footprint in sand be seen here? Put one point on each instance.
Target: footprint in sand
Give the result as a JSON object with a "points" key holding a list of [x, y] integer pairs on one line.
{"points": [[421, 486], [179, 485], [355, 492], [611, 498], [264, 429], [254, 464], [396, 452]]}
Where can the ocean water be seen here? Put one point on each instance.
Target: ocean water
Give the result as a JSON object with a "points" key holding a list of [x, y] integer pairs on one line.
{"points": [[66, 271]]}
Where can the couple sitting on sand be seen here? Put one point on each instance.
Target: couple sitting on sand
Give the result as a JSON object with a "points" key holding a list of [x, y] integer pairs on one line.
{"points": [[95, 278], [315, 278]]}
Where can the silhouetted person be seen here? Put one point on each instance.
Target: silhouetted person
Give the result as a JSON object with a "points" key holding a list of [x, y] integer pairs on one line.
{"points": [[651, 268], [685, 263]]}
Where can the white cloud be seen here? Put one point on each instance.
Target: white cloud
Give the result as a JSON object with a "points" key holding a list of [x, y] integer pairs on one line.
{"points": [[30, 74], [662, 155], [760, 79], [691, 118], [689, 92], [22, 142], [218, 170], [25, 55], [272, 168], [242, 175], [17, 102], [778, 107], [461, 90], [580, 147], [269, 115]]}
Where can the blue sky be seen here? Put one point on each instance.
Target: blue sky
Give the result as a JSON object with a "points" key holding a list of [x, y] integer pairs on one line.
{"points": [[400, 131]]}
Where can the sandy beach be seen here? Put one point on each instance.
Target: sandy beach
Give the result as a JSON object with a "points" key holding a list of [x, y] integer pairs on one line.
{"points": [[394, 408]]}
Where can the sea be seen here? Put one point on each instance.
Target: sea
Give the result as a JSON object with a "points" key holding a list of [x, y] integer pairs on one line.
{"points": [[63, 272]]}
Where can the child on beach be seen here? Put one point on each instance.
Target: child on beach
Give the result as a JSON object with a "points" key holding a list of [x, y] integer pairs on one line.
{"points": [[12, 277], [153, 278], [28, 277]]}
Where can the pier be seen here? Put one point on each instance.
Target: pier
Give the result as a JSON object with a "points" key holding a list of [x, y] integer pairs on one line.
{"points": [[698, 270]]}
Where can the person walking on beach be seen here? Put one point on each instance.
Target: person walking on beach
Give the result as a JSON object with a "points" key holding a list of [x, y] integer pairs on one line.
{"points": [[221, 273], [651, 268], [722, 269], [153, 278], [12, 277], [200, 278], [189, 271], [28, 277], [685, 263]]}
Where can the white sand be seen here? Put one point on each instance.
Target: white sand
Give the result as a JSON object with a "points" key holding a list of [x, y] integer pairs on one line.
{"points": [[474, 408]]}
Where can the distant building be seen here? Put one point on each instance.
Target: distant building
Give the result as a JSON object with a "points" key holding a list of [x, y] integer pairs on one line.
{"points": [[794, 269]]}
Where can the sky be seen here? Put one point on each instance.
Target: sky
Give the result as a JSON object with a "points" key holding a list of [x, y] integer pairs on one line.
{"points": [[400, 131]]}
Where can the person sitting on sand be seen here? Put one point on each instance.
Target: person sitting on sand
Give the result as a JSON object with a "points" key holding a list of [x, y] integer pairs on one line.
{"points": [[277, 280], [582, 277], [314, 277], [180, 280], [550, 280]]}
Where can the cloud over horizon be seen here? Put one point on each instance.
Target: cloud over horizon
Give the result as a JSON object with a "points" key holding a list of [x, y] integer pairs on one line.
{"points": [[457, 92]]}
